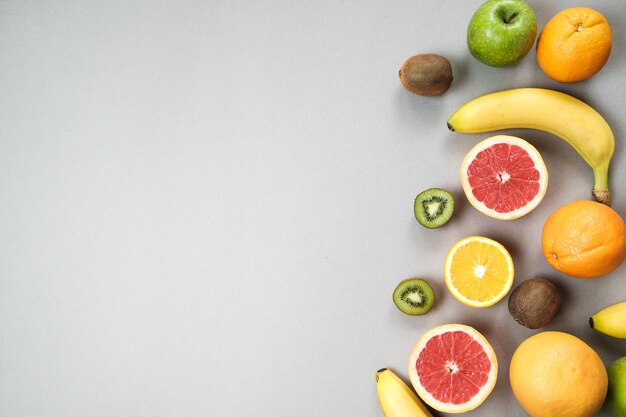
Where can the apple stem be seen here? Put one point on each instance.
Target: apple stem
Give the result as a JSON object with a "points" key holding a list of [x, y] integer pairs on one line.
{"points": [[508, 19]]}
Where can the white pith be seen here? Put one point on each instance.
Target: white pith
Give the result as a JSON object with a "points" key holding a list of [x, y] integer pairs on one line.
{"points": [[504, 176], [479, 271], [448, 265], [415, 297], [433, 208], [484, 391]]}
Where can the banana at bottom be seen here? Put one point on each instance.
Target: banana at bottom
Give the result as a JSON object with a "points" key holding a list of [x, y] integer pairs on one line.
{"points": [[396, 398], [551, 111]]}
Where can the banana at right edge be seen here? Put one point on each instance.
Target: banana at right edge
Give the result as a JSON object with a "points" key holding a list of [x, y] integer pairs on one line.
{"points": [[551, 111], [611, 321]]}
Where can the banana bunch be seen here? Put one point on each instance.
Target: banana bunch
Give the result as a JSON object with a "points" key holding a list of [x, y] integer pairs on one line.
{"points": [[396, 398], [611, 321], [551, 111]]}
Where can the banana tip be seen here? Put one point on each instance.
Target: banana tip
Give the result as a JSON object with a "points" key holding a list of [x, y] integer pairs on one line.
{"points": [[591, 322], [450, 127]]}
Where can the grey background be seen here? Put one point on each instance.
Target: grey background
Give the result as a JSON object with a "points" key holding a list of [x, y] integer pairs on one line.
{"points": [[205, 205]]}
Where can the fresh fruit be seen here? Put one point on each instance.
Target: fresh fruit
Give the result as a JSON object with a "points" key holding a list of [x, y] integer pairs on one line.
{"points": [[534, 303], [426, 74], [433, 207], [584, 239], [574, 45], [616, 396], [453, 368], [414, 296], [478, 271], [504, 177], [501, 32], [560, 114], [555, 374], [396, 398], [611, 321]]}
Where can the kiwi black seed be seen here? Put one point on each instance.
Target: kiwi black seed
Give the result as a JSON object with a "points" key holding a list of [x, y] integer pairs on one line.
{"points": [[433, 207], [534, 303], [414, 296], [426, 74]]}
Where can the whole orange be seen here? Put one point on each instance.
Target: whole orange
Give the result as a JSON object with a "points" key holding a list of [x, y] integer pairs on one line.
{"points": [[584, 239], [574, 45], [555, 374]]}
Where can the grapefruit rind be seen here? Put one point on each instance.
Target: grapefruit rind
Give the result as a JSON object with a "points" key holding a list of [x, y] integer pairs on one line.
{"points": [[484, 391], [535, 156], [448, 274]]}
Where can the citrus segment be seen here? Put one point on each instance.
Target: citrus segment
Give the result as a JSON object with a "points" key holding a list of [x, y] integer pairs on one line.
{"points": [[504, 177], [478, 271], [453, 368]]}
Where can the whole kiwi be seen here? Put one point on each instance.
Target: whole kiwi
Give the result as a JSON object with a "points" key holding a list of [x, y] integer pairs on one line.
{"points": [[534, 303], [426, 74]]}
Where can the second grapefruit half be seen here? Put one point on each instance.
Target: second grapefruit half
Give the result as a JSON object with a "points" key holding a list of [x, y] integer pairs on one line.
{"points": [[453, 368]]}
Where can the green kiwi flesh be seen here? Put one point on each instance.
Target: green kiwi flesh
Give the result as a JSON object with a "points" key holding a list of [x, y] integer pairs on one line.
{"points": [[414, 296], [433, 207]]}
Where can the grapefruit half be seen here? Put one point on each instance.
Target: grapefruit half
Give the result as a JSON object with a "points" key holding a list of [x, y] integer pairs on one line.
{"points": [[504, 177], [453, 368]]}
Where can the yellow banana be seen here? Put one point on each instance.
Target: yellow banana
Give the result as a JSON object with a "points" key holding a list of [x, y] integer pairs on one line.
{"points": [[396, 398], [551, 111], [611, 321]]}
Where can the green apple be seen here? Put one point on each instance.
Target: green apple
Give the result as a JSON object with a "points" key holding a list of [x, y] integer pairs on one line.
{"points": [[616, 396], [501, 32]]}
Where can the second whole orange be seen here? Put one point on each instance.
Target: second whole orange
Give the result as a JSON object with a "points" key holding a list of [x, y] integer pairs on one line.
{"points": [[584, 239], [574, 45]]}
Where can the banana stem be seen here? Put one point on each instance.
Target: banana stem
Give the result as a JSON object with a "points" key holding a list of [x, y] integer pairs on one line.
{"points": [[601, 186]]}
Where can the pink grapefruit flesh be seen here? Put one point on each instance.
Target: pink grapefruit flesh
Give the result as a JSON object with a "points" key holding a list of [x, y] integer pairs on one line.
{"points": [[453, 368], [504, 177]]}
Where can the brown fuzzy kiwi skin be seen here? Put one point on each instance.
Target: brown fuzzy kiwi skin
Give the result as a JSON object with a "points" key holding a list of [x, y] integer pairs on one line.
{"points": [[426, 74], [534, 303]]}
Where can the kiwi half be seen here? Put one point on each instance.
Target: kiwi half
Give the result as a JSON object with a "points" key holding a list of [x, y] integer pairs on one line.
{"points": [[414, 296], [433, 207]]}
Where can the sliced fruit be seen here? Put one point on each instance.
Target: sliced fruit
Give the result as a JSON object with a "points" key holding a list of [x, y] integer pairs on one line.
{"points": [[414, 296], [504, 177], [453, 368], [478, 271], [433, 207]]}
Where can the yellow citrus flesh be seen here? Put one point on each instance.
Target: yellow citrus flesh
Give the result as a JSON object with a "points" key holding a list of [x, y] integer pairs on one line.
{"points": [[478, 271], [555, 374]]}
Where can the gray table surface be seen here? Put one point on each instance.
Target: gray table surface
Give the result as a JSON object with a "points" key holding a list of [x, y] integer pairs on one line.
{"points": [[205, 205]]}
